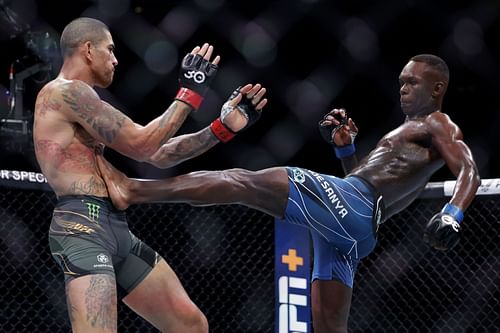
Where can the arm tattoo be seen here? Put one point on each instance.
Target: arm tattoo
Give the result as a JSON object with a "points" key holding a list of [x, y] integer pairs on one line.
{"points": [[105, 120], [174, 118], [100, 300], [185, 147]]}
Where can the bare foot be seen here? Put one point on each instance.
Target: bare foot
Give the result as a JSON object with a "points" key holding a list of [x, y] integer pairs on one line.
{"points": [[117, 183]]}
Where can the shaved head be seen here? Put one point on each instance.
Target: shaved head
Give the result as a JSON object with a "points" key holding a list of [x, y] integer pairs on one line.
{"points": [[79, 31], [435, 62]]}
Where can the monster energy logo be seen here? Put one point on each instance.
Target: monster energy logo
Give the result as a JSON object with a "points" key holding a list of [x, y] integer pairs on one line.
{"points": [[93, 211]]}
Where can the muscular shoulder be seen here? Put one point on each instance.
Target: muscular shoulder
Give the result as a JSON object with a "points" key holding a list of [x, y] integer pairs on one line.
{"points": [[66, 96], [440, 125], [60, 87]]}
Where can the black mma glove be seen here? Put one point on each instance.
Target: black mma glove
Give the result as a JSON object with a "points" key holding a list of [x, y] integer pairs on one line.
{"points": [[328, 131], [245, 107], [442, 232], [328, 134], [195, 76]]}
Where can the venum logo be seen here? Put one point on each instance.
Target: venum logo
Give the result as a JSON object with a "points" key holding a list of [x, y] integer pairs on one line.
{"points": [[102, 258], [298, 176]]}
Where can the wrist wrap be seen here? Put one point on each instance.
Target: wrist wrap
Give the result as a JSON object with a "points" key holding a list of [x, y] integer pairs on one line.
{"points": [[190, 97], [454, 211], [220, 130], [344, 151]]}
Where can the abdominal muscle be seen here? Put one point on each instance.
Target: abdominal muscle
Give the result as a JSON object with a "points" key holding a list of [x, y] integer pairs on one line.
{"points": [[399, 176]]}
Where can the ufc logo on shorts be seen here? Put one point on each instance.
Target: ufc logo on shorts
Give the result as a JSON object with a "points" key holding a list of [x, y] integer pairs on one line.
{"points": [[197, 76], [291, 294]]}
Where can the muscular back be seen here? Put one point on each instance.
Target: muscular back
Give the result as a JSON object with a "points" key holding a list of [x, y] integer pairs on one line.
{"points": [[64, 149], [403, 161]]}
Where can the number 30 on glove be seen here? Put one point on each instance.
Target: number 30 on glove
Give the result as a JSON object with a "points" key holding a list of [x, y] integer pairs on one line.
{"points": [[442, 232], [195, 76]]}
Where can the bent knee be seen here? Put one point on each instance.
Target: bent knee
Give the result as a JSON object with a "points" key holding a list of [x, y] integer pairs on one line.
{"points": [[201, 323], [190, 319], [196, 323]]}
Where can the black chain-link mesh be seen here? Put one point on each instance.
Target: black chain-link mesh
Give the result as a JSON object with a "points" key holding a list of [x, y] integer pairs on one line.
{"points": [[224, 257], [405, 286]]}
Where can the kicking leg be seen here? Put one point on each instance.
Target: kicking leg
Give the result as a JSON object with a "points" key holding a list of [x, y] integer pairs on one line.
{"points": [[265, 190]]}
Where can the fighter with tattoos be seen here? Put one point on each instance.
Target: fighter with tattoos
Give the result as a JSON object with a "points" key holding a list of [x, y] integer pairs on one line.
{"points": [[101, 259]]}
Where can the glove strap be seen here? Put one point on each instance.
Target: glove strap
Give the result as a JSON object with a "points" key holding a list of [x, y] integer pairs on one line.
{"points": [[190, 97], [345, 151], [454, 211], [220, 130]]}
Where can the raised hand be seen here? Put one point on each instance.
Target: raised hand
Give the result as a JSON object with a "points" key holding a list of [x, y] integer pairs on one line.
{"points": [[337, 128], [242, 109], [196, 74]]}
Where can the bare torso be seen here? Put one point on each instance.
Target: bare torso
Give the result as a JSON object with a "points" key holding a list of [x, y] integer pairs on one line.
{"points": [[64, 150], [401, 164]]}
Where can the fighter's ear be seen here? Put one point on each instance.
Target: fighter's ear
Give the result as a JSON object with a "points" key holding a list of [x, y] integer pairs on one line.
{"points": [[87, 50], [439, 89]]}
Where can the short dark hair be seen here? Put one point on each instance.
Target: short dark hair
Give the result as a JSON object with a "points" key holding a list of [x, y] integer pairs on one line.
{"points": [[79, 31], [435, 62]]}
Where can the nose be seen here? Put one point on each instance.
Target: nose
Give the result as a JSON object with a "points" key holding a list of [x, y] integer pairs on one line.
{"points": [[403, 90], [115, 61]]}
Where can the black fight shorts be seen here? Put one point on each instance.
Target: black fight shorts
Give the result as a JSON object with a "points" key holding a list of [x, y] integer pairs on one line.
{"points": [[89, 236]]}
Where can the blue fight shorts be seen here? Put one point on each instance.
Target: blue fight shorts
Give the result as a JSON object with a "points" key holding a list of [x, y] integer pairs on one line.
{"points": [[342, 215]]}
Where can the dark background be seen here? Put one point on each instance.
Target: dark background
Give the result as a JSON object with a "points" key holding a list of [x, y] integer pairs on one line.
{"points": [[311, 55]]}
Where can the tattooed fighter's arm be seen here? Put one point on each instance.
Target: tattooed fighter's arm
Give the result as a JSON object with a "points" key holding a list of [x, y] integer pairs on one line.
{"points": [[249, 98], [116, 130], [183, 147]]}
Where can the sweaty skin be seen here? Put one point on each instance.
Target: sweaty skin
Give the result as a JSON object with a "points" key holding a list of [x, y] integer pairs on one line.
{"points": [[71, 119], [403, 161], [399, 167], [71, 125]]}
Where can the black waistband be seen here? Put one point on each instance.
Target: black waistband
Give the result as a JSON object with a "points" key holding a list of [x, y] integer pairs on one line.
{"points": [[102, 201]]}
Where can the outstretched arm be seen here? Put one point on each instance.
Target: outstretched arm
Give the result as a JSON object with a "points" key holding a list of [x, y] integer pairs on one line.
{"points": [[241, 109], [340, 131], [82, 105]]}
